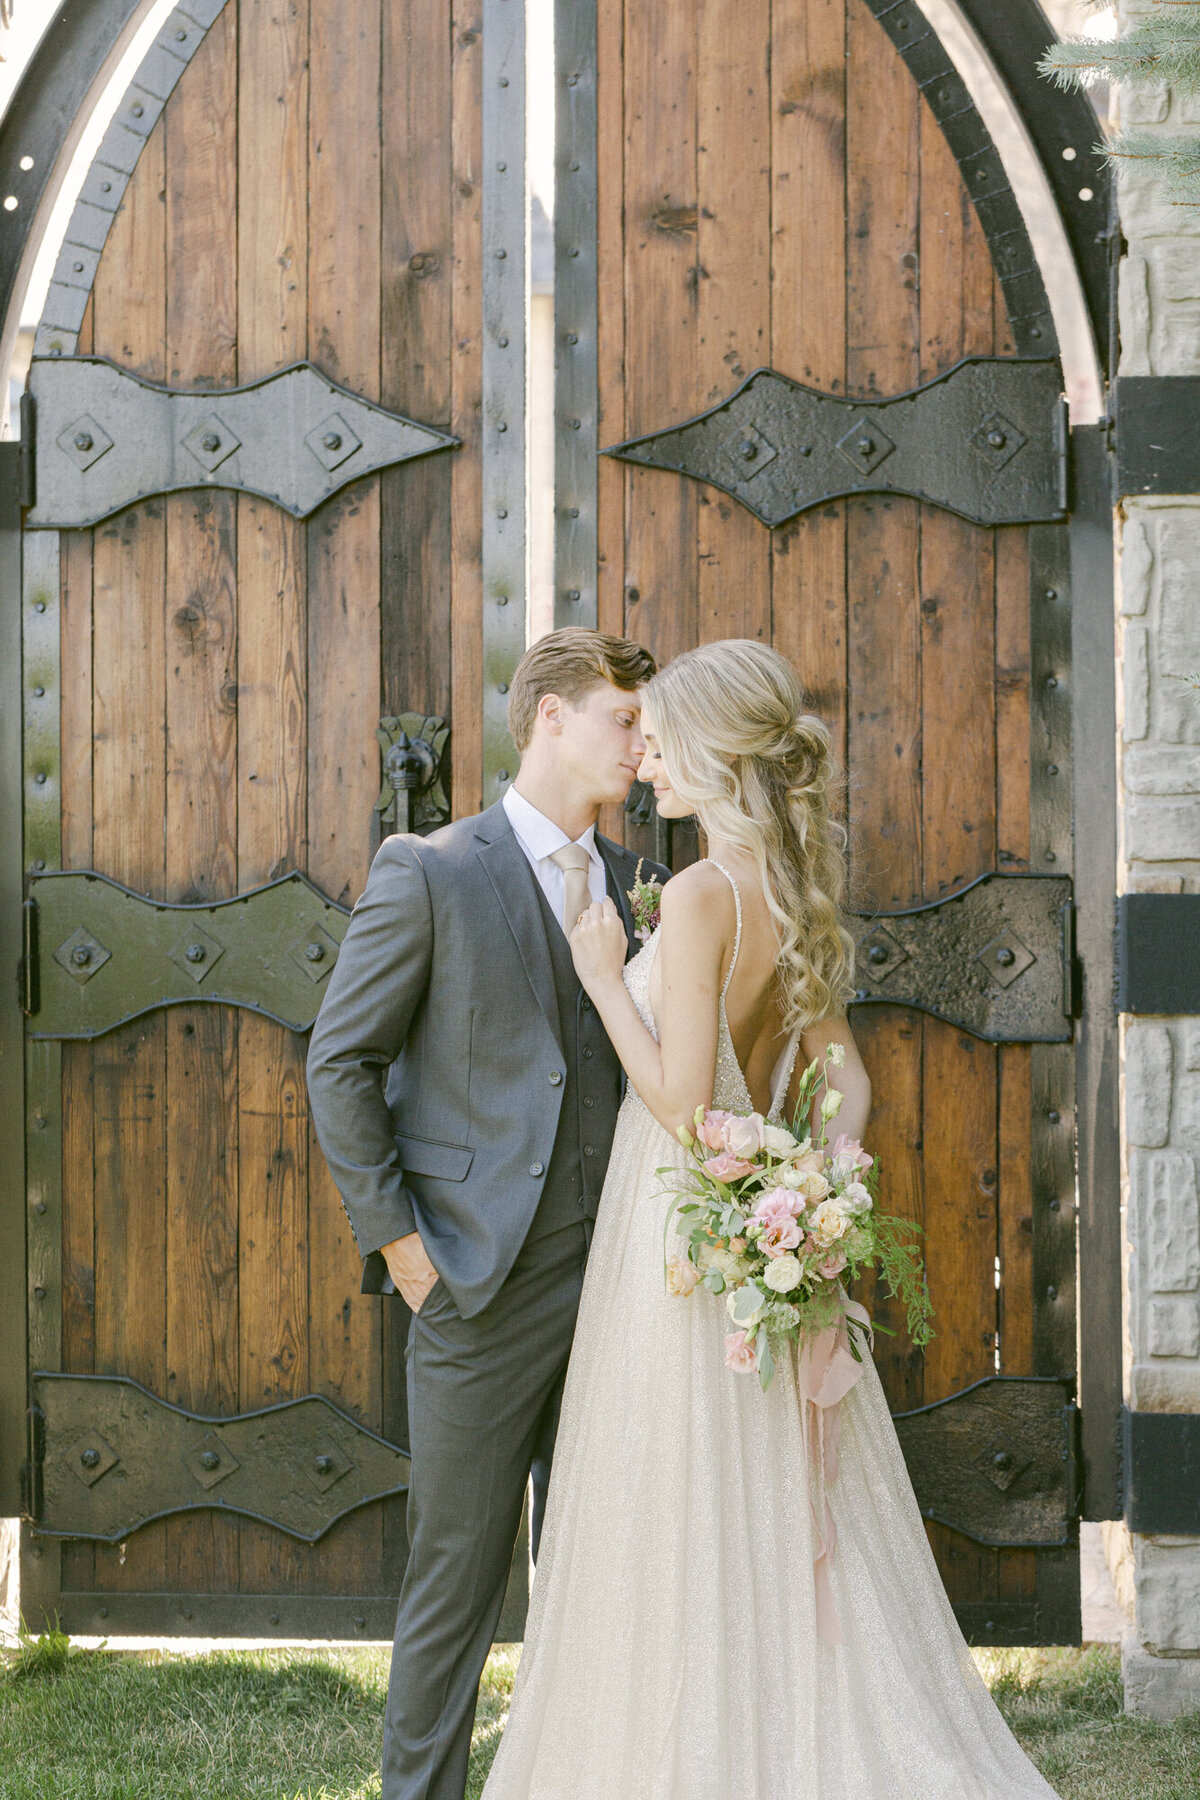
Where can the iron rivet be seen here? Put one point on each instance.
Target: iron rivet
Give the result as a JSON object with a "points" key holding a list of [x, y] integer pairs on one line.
{"points": [[502, 167], [1050, 856], [272, 1618], [1006, 958], [574, 423], [40, 863], [572, 593], [501, 255], [572, 81], [40, 778], [106, 187], [40, 1207], [209, 1459], [865, 446], [503, 342], [137, 109], [90, 1459], [877, 954], [181, 37], [323, 1464], [81, 955], [1002, 1460], [502, 513], [1052, 593], [1054, 1117], [1036, 331], [572, 253], [1055, 1205], [572, 337], [195, 953], [990, 1625], [1052, 1293], [633, 594], [39, 606], [39, 1293], [572, 512], [503, 688], [501, 774], [103, 1610], [83, 440], [749, 449], [996, 439], [78, 268], [40, 1121], [210, 442], [1052, 768], [314, 952], [186, 1613], [504, 81], [501, 599], [1052, 681], [981, 174], [574, 168], [361, 1623], [38, 692], [806, 449], [332, 440], [502, 426]]}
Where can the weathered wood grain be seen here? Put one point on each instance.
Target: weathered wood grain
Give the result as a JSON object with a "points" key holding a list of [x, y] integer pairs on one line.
{"points": [[466, 393]]}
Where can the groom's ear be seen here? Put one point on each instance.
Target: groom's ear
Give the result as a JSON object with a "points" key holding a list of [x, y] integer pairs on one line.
{"points": [[550, 712]]}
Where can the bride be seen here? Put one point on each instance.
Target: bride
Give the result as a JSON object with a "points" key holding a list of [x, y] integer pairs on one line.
{"points": [[693, 1634]]}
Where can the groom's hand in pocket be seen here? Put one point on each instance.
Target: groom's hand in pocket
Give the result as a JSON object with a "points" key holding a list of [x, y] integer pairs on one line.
{"points": [[410, 1269]]}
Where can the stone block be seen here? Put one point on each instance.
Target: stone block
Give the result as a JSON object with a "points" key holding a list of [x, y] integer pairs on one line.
{"points": [[1176, 271], [1133, 309], [1189, 1031], [1136, 659], [1161, 830], [1165, 1386], [1177, 636], [1166, 1582], [1162, 769], [1137, 565], [1187, 1110], [1167, 1222], [1149, 1066], [1177, 338], [1158, 1687], [1143, 103], [1173, 1325]]}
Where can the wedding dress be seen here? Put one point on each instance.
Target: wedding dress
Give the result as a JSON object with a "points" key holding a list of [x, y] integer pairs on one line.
{"points": [[673, 1649]]}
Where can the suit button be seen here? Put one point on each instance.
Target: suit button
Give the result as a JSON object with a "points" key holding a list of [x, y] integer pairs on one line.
{"points": [[536, 1169], [588, 1151], [587, 1053], [555, 1078], [589, 1103], [586, 1004]]}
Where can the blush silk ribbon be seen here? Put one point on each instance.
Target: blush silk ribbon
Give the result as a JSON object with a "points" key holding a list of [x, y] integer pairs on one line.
{"points": [[826, 1370]]}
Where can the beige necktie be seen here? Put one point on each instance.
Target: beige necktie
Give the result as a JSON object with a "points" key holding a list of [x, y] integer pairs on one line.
{"points": [[574, 862]]}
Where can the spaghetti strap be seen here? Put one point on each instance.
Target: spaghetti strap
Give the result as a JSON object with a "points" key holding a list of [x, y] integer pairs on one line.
{"points": [[737, 942], [784, 1067]]}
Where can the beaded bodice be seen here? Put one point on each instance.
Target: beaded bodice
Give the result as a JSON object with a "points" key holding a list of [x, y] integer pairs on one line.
{"points": [[730, 1092]]}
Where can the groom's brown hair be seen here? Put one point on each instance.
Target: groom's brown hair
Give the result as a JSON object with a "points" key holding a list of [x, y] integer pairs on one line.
{"points": [[570, 663]]}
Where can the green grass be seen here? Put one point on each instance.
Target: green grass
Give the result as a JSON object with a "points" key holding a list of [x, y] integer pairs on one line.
{"points": [[305, 1725]]}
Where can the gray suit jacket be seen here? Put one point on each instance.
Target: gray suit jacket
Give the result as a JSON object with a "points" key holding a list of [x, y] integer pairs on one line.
{"points": [[435, 1068]]}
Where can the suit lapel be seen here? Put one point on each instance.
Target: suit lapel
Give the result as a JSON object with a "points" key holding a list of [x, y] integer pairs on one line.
{"points": [[513, 881], [616, 862]]}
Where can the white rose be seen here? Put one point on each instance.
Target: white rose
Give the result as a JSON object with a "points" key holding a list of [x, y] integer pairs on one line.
{"points": [[789, 1178], [855, 1198], [745, 1307], [782, 1273], [778, 1141], [812, 1185], [731, 1266], [828, 1222], [704, 1257]]}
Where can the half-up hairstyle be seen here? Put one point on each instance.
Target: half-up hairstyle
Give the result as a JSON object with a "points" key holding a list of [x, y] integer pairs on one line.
{"points": [[739, 748]]}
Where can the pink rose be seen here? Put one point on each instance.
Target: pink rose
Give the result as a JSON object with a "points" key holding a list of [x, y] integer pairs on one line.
{"points": [[831, 1263], [711, 1133], [811, 1163], [850, 1147], [744, 1136], [777, 1213], [778, 1203], [779, 1237], [726, 1167], [740, 1354]]}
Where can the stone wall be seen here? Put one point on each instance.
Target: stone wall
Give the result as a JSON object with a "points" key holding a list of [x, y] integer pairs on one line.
{"points": [[1158, 643]]}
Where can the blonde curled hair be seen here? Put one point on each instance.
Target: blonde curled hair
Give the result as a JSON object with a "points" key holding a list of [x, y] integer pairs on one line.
{"points": [[739, 748]]}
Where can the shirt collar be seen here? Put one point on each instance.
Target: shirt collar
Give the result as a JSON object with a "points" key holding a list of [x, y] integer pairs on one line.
{"points": [[540, 836]]}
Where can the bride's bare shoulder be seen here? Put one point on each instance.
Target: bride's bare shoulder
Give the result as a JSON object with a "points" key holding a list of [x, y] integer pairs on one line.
{"points": [[699, 891]]}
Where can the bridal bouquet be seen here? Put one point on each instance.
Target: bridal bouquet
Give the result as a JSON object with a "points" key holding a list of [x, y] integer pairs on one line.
{"points": [[779, 1224]]}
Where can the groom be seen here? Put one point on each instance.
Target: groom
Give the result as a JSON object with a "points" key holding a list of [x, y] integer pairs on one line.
{"points": [[465, 1096]]}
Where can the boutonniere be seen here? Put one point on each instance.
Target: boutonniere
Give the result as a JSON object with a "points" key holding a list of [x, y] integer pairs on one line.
{"points": [[645, 900]]}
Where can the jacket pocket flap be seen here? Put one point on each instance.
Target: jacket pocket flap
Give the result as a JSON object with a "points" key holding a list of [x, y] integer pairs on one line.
{"points": [[422, 1156]]}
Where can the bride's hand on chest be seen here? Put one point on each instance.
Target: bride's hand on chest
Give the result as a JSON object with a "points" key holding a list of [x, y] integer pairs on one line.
{"points": [[599, 944]]}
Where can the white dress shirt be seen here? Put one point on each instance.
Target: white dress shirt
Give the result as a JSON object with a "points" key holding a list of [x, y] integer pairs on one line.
{"points": [[539, 837]]}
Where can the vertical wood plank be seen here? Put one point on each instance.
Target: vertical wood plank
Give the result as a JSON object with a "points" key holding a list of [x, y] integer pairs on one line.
{"points": [[1012, 697], [808, 327], [890, 1041], [201, 785], [959, 1132], [1016, 1212], [661, 309], [466, 392], [733, 291], [344, 549], [129, 800], [610, 289]]}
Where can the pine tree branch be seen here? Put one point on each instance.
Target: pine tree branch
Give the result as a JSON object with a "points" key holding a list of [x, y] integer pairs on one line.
{"points": [[1159, 49]]}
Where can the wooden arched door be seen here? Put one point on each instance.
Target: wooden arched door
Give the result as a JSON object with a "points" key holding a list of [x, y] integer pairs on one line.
{"points": [[780, 189]]}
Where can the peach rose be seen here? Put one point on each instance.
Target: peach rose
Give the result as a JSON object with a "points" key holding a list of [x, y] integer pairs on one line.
{"points": [[740, 1354]]}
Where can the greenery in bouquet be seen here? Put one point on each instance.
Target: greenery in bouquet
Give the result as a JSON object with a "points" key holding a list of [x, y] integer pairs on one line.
{"points": [[779, 1225]]}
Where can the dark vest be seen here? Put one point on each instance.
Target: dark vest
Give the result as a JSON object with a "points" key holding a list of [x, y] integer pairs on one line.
{"points": [[591, 1095]]}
